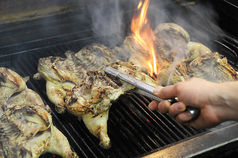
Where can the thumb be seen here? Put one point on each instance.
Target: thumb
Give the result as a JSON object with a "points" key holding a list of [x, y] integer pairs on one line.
{"points": [[157, 90], [165, 92]]}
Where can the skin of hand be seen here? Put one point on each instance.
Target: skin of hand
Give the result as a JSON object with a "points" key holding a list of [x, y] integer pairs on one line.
{"points": [[218, 102]]}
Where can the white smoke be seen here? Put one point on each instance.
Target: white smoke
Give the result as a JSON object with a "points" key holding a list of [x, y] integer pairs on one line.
{"points": [[107, 22]]}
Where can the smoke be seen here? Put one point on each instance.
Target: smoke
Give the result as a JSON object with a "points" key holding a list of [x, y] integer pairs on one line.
{"points": [[200, 21], [111, 21], [107, 22]]}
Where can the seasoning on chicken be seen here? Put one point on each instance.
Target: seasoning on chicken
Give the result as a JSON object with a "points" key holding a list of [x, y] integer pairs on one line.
{"points": [[26, 124], [94, 92]]}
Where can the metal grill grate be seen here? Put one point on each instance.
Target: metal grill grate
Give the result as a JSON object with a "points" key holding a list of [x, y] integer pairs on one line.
{"points": [[134, 129]]}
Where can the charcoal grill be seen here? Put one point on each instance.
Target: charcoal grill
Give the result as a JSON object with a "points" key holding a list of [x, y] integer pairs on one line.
{"points": [[135, 131]]}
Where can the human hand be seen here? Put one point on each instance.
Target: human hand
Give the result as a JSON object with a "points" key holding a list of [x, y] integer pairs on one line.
{"points": [[198, 93]]}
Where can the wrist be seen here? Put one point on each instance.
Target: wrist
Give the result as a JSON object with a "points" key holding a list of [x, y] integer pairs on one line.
{"points": [[226, 99]]}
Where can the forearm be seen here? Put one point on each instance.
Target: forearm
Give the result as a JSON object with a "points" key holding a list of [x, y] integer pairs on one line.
{"points": [[226, 96]]}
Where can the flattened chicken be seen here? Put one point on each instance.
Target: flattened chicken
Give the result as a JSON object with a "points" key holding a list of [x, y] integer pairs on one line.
{"points": [[212, 67], [62, 74], [94, 92], [10, 83], [179, 58], [26, 124], [137, 55], [196, 61], [171, 42]]}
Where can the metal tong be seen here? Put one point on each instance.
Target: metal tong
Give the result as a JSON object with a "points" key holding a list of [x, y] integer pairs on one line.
{"points": [[146, 89]]}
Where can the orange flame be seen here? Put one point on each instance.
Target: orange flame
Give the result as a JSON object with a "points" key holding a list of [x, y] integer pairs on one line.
{"points": [[143, 34]]}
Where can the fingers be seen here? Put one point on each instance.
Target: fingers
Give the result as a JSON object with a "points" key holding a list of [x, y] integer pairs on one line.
{"points": [[184, 117], [176, 109], [153, 105], [163, 107], [166, 107]]}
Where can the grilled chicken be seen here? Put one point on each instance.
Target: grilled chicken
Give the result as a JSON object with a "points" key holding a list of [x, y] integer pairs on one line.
{"points": [[178, 71], [170, 41], [93, 98], [179, 58], [137, 54], [10, 83], [212, 67], [186, 59], [62, 74], [26, 124], [93, 93]]}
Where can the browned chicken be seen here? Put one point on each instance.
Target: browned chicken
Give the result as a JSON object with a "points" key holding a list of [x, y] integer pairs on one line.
{"points": [[91, 95], [26, 124]]}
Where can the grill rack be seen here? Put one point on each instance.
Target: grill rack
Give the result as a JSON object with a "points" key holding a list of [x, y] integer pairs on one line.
{"points": [[134, 129]]}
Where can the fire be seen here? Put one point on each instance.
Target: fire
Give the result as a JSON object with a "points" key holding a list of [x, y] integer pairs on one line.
{"points": [[143, 34]]}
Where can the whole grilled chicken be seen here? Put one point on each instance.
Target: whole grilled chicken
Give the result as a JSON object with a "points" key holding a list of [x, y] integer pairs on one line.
{"points": [[26, 124], [91, 92]]}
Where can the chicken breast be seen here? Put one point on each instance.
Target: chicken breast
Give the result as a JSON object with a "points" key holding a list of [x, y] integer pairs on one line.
{"points": [[26, 124]]}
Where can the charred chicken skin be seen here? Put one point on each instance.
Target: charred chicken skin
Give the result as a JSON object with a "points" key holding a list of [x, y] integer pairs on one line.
{"points": [[26, 124], [90, 92]]}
